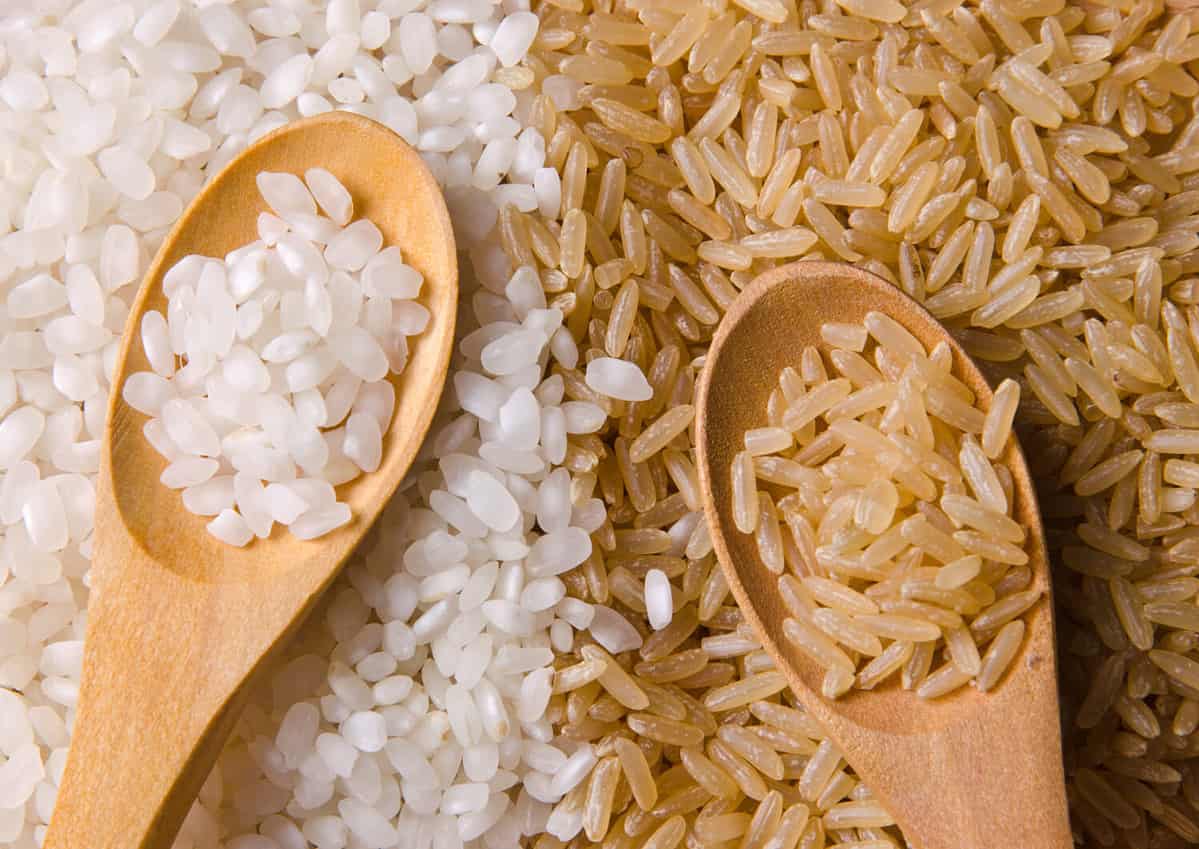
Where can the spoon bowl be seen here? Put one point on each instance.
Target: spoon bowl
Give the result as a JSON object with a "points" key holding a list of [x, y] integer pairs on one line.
{"points": [[979, 770], [179, 621]]}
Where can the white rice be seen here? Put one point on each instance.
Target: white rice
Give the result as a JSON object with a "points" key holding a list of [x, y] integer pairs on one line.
{"points": [[269, 369], [144, 100]]}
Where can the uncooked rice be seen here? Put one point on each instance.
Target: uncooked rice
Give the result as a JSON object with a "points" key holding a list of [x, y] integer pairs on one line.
{"points": [[116, 113], [901, 532], [269, 372]]}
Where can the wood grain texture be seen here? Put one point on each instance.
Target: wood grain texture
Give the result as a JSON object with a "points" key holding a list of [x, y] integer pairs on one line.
{"points": [[178, 622], [974, 770]]}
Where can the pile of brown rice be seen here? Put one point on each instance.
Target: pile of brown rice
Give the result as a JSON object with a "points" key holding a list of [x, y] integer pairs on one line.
{"points": [[897, 506], [1029, 170]]}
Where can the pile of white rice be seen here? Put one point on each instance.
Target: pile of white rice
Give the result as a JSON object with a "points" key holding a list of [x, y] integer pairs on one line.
{"points": [[113, 116], [264, 353]]}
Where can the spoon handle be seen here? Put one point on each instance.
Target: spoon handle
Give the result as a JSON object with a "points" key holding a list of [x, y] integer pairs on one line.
{"points": [[165, 663], [992, 780]]}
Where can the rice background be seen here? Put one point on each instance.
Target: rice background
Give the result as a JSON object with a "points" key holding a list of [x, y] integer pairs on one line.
{"points": [[1026, 168]]}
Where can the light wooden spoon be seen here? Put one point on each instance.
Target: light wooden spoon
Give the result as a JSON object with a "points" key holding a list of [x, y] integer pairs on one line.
{"points": [[178, 622], [974, 770]]}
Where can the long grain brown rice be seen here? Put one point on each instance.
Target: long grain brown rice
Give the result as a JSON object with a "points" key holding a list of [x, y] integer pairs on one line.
{"points": [[891, 528], [994, 170]]}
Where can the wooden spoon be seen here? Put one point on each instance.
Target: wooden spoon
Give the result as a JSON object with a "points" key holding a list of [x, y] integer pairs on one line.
{"points": [[982, 771], [178, 622]]}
